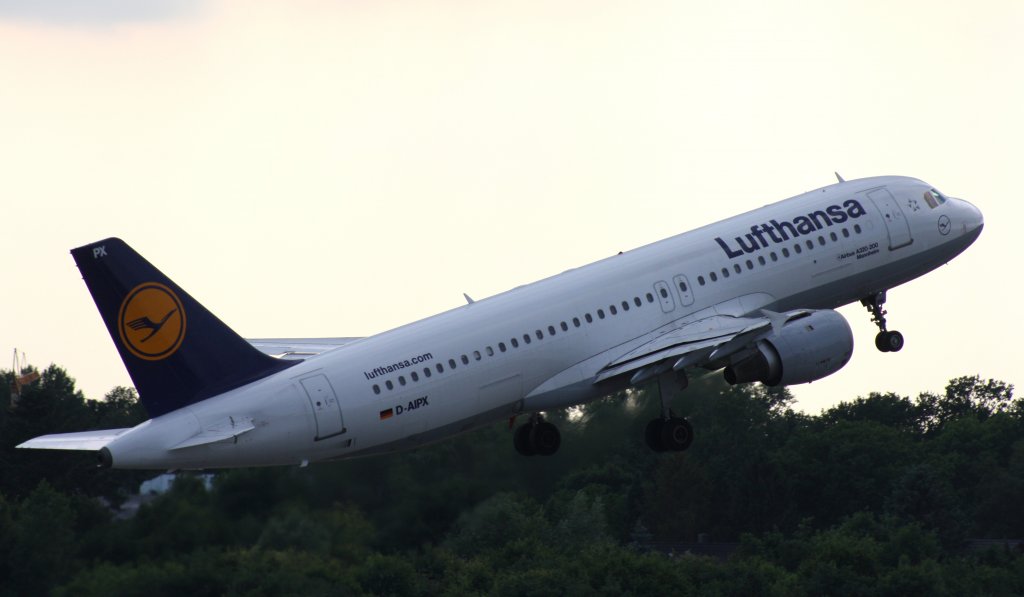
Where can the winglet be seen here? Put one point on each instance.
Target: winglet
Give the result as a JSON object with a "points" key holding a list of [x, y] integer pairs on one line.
{"points": [[839, 178]]}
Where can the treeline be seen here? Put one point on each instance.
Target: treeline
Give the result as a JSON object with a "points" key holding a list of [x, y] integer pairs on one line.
{"points": [[875, 496]]}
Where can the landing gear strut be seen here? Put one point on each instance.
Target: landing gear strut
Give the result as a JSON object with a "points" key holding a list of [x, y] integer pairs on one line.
{"points": [[669, 433], [885, 341], [537, 436]]}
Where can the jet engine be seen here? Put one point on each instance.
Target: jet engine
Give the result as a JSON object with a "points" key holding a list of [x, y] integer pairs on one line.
{"points": [[807, 348]]}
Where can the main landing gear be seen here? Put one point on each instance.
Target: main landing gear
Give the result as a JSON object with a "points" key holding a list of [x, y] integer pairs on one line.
{"points": [[537, 437], [669, 433], [885, 341]]}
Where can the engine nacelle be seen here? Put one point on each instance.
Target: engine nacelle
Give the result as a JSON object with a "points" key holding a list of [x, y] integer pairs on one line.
{"points": [[808, 348]]}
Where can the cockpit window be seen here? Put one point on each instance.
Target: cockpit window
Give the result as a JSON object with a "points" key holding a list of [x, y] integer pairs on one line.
{"points": [[934, 198]]}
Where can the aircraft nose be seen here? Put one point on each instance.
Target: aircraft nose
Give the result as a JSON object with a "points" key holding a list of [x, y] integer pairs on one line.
{"points": [[973, 220]]}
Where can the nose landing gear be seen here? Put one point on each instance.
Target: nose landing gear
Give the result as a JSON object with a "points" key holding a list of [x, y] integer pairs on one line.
{"points": [[886, 340]]}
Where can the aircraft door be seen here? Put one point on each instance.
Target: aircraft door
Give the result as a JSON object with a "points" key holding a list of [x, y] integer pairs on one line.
{"points": [[685, 291], [895, 222], [326, 408], [664, 296]]}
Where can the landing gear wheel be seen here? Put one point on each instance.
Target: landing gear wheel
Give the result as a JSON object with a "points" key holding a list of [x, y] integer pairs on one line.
{"points": [[652, 435], [676, 434], [521, 440], [885, 341], [545, 438], [889, 341], [538, 437]]}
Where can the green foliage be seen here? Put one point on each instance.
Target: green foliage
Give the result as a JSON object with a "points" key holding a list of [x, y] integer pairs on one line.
{"points": [[874, 496], [53, 405]]}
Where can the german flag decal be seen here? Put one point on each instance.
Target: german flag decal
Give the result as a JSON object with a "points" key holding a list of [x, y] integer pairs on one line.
{"points": [[387, 414]]}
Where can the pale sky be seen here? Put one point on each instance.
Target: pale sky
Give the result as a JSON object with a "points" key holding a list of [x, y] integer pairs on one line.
{"points": [[341, 168]]}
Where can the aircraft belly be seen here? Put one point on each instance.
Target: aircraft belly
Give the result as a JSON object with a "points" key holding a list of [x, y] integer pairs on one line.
{"points": [[443, 431]]}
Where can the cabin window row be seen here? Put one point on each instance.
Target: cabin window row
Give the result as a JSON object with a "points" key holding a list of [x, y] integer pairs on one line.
{"points": [[798, 248], [516, 342]]}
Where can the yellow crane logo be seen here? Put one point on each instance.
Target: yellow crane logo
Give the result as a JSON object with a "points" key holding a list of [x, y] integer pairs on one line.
{"points": [[151, 321]]}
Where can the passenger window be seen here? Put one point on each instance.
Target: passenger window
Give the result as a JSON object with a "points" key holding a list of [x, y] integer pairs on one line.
{"points": [[736, 267], [415, 376], [515, 343], [773, 256], [526, 338], [427, 372], [821, 240], [785, 252], [551, 330], [465, 360], [501, 346], [637, 301], [760, 259], [476, 355], [700, 280], [810, 244], [440, 368], [613, 310], [564, 326], [798, 248], [846, 233], [833, 236], [401, 380], [856, 228], [600, 313], [539, 334], [490, 351], [376, 389], [576, 321], [588, 318], [650, 297], [725, 273], [714, 276], [625, 306], [389, 385], [451, 363], [750, 264]]}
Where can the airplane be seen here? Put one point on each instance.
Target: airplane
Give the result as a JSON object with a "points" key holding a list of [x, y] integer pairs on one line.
{"points": [[753, 296]]}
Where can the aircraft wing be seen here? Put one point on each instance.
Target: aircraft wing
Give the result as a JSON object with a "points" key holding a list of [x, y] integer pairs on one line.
{"points": [[82, 440], [697, 343], [298, 348]]}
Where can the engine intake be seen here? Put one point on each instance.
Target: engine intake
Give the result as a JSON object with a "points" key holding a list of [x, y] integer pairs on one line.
{"points": [[807, 348]]}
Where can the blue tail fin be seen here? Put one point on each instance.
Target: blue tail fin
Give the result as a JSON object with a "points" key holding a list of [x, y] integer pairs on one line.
{"points": [[176, 351]]}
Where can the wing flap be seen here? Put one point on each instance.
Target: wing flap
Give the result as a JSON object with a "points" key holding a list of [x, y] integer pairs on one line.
{"points": [[80, 440], [697, 343]]}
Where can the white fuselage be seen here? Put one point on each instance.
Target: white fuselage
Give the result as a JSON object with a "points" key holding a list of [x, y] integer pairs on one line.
{"points": [[398, 389]]}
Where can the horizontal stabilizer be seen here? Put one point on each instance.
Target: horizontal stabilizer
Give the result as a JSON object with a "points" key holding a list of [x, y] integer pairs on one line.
{"points": [[81, 440], [298, 348], [227, 429]]}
